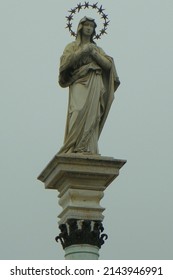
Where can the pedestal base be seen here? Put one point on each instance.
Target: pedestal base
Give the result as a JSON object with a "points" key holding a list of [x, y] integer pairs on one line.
{"points": [[80, 181]]}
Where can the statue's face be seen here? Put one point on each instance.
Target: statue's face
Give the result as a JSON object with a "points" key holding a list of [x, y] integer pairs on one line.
{"points": [[88, 28]]}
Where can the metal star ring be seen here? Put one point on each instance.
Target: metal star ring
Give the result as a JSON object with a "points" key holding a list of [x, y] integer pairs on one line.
{"points": [[87, 5]]}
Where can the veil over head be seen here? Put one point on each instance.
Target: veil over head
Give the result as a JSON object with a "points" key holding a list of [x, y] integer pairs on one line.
{"points": [[80, 26]]}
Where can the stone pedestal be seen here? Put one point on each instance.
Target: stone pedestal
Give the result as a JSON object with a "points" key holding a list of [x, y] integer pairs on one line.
{"points": [[80, 181]]}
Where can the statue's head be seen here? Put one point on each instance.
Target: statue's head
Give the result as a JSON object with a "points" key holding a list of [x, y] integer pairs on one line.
{"points": [[83, 22]]}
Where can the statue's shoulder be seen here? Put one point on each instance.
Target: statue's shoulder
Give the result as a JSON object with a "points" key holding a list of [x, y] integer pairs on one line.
{"points": [[71, 46], [102, 52], [100, 49]]}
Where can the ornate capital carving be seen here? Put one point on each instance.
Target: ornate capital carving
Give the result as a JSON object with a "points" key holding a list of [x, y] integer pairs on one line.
{"points": [[81, 232]]}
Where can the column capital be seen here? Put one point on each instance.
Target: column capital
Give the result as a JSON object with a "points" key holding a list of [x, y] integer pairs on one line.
{"points": [[81, 232]]}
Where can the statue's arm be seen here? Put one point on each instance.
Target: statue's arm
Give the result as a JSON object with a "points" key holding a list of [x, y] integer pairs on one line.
{"points": [[71, 56], [101, 59], [69, 61]]}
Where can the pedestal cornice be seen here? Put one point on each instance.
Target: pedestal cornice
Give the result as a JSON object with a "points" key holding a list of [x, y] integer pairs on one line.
{"points": [[93, 167]]}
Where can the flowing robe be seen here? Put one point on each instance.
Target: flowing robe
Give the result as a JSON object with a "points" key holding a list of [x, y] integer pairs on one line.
{"points": [[91, 92]]}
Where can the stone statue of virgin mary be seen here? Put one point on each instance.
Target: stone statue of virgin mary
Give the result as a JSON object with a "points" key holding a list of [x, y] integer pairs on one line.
{"points": [[92, 79]]}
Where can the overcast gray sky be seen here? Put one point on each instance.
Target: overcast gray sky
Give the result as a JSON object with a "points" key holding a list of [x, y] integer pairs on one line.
{"points": [[139, 204]]}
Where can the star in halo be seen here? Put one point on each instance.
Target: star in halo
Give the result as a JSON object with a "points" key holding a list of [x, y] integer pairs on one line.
{"points": [[86, 5], [104, 16], [94, 6], [70, 17], [72, 11], [103, 31], [100, 10], [73, 33], [97, 36], [69, 25], [79, 7], [106, 23]]}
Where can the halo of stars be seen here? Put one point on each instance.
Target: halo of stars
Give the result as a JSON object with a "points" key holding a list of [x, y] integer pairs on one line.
{"points": [[87, 5]]}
